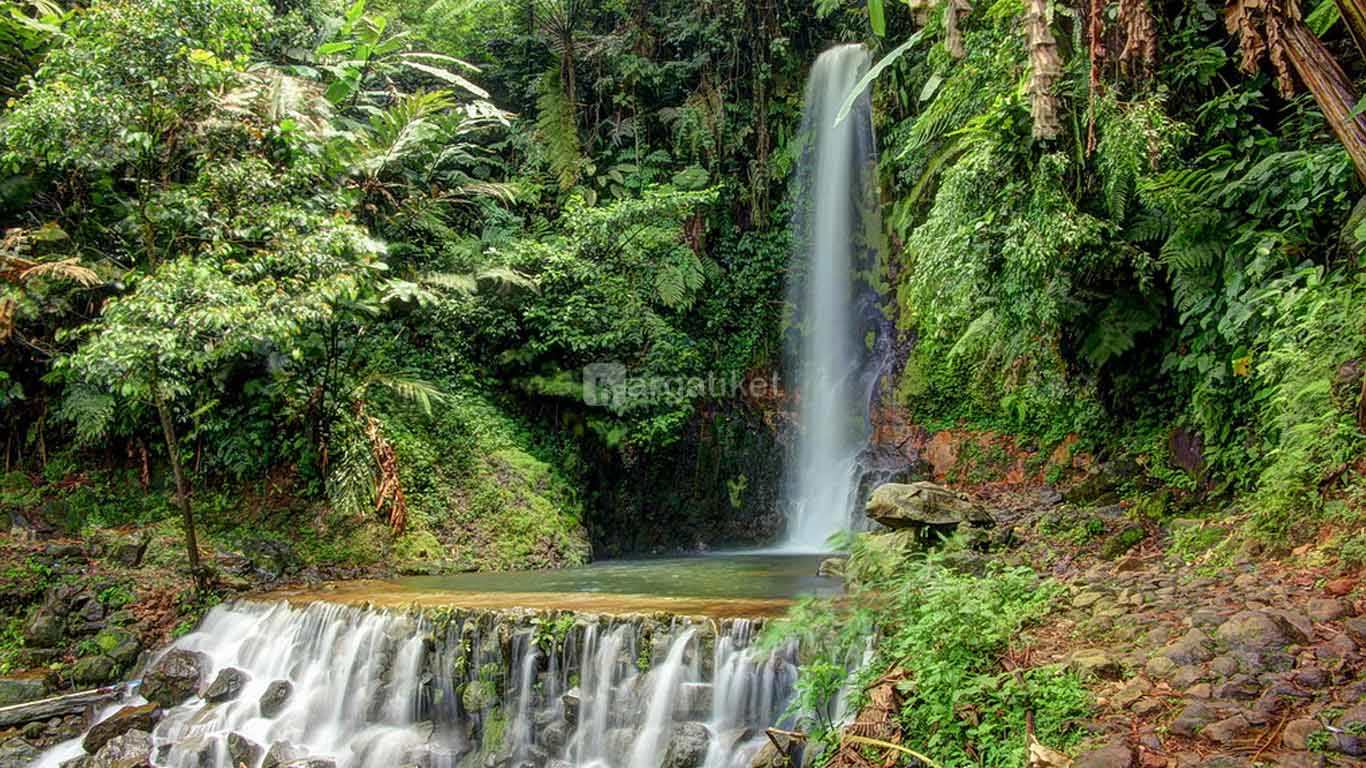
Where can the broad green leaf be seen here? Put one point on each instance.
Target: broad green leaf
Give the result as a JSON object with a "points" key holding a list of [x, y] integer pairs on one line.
{"points": [[873, 73], [876, 18]]}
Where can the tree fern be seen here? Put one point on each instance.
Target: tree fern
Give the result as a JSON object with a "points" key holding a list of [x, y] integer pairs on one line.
{"points": [[558, 131]]}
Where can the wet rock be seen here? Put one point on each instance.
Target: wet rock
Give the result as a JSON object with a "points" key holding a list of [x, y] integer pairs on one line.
{"points": [[16, 752], [198, 752], [1297, 732], [831, 567], [922, 504], [312, 762], [1113, 755], [243, 751], [129, 750], [781, 751], [282, 753], [94, 670], [136, 718], [554, 736], [17, 690], [1253, 631], [225, 686], [1095, 662], [275, 697], [174, 677], [572, 699], [1227, 730], [687, 746], [1195, 715]]}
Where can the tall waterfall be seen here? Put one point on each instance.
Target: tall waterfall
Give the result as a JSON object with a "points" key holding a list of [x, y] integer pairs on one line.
{"points": [[837, 337], [507, 689]]}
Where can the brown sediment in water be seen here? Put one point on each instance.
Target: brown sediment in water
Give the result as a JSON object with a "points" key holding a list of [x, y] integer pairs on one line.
{"points": [[391, 594]]}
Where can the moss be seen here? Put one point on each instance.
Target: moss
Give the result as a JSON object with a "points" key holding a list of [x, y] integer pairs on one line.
{"points": [[415, 550], [1123, 541]]}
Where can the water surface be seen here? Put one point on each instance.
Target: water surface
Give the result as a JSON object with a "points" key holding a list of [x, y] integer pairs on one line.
{"points": [[722, 585]]}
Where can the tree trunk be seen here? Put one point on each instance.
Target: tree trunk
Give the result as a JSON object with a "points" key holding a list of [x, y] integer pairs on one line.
{"points": [[1332, 89], [1353, 14], [181, 491]]}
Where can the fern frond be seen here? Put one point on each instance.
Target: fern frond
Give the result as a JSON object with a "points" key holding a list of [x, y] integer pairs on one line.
{"points": [[65, 269], [416, 391], [558, 130]]}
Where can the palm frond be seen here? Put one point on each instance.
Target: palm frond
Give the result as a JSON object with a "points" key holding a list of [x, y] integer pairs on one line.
{"points": [[416, 391], [65, 269]]}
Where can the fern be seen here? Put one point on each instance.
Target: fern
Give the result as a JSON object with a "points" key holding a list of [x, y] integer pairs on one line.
{"points": [[558, 131]]}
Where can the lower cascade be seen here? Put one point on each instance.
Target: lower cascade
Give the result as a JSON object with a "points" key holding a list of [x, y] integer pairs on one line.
{"points": [[271, 684]]}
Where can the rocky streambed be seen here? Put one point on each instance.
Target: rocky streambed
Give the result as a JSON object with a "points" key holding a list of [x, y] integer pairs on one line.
{"points": [[268, 685]]}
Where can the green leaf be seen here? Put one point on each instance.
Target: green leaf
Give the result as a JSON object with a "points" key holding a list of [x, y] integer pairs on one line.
{"points": [[873, 73], [877, 18]]}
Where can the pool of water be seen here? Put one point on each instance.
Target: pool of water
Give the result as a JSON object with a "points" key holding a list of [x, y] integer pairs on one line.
{"points": [[721, 585]]}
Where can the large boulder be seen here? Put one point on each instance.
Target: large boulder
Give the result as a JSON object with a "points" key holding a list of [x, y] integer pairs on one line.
{"points": [[687, 746], [282, 753], [44, 630], [243, 751], [174, 677], [1254, 631], [17, 690], [276, 696], [130, 750], [225, 686], [139, 718], [16, 752], [922, 505], [120, 645], [94, 670]]}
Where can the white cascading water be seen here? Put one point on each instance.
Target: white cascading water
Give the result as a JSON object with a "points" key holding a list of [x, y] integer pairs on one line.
{"points": [[380, 689], [829, 358], [648, 750]]}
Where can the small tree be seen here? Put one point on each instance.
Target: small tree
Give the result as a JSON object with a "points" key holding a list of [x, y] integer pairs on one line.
{"points": [[183, 322]]}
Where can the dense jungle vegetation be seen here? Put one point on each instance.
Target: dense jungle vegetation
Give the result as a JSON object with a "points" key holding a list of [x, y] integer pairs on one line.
{"points": [[329, 273]]}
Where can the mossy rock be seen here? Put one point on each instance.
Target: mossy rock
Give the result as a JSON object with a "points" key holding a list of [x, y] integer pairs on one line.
{"points": [[94, 670], [118, 644], [1123, 541]]}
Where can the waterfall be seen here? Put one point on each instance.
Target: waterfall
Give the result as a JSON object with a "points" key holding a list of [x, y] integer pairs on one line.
{"points": [[380, 689], [648, 751], [839, 344]]}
